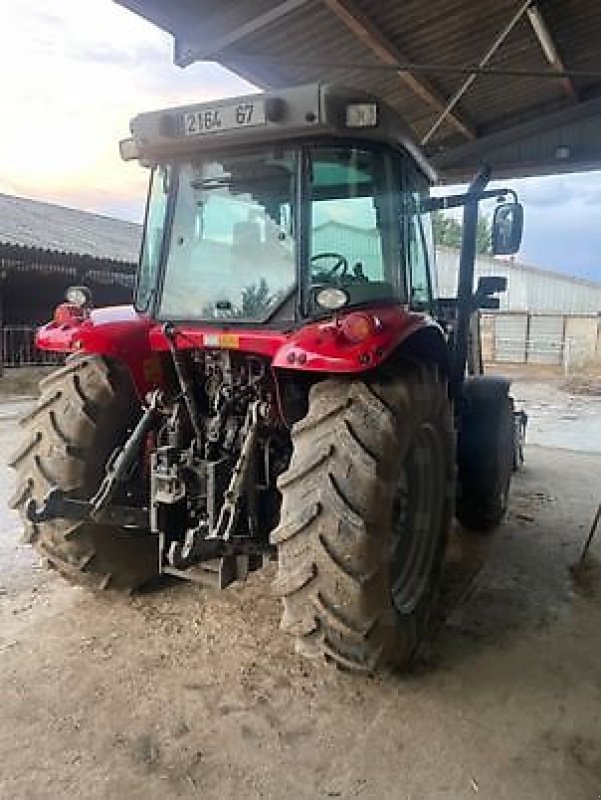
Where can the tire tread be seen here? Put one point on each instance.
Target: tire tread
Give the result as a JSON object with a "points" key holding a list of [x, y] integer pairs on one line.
{"points": [[83, 413]]}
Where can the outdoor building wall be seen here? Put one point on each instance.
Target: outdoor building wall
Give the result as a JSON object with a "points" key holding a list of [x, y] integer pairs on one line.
{"points": [[584, 337], [528, 288], [363, 244], [558, 340], [33, 282]]}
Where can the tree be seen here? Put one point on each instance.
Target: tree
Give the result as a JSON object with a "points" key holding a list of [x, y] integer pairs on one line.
{"points": [[256, 300], [484, 236], [448, 231]]}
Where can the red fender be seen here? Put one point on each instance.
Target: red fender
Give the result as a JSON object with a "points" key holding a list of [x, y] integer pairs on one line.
{"points": [[117, 332], [324, 346], [121, 333]]}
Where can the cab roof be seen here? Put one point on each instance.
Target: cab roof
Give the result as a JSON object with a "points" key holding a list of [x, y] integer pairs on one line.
{"points": [[296, 113]]}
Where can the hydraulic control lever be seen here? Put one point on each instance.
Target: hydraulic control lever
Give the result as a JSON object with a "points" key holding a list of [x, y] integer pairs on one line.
{"points": [[181, 370]]}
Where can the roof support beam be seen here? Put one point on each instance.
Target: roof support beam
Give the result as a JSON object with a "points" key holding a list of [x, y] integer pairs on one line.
{"points": [[547, 43], [473, 153], [364, 29], [472, 76], [191, 47]]}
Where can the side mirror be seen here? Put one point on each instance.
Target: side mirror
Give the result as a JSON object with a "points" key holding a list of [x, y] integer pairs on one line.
{"points": [[489, 285], [507, 227]]}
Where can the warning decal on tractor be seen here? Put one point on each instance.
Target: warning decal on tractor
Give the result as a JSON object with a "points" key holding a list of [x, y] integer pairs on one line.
{"points": [[229, 340]]}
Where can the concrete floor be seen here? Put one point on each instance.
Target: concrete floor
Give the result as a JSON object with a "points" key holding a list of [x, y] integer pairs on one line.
{"points": [[189, 693]]}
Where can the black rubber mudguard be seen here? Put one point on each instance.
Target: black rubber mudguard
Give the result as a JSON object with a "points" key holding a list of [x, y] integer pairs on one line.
{"points": [[485, 388]]}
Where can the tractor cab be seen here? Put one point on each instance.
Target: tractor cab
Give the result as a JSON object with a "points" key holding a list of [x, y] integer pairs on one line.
{"points": [[275, 209]]}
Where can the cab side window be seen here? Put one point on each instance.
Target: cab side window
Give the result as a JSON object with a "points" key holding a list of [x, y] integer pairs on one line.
{"points": [[417, 239], [419, 265], [154, 230]]}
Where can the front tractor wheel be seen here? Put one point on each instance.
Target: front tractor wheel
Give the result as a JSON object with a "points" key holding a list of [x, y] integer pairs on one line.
{"points": [[366, 505], [83, 414], [486, 453]]}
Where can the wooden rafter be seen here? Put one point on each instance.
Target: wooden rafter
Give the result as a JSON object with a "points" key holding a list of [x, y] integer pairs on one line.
{"points": [[549, 48], [364, 29]]}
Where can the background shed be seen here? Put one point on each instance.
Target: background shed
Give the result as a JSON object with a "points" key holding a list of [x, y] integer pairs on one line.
{"points": [[46, 248]]}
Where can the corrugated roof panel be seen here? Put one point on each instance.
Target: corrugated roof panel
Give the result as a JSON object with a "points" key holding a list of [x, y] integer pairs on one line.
{"points": [[311, 36], [31, 223], [462, 41], [439, 32]]}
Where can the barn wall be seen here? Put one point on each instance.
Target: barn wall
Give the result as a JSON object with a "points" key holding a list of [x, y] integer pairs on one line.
{"points": [[30, 297], [33, 283], [528, 288]]}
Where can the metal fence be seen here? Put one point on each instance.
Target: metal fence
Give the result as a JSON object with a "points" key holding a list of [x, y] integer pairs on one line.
{"points": [[19, 350], [541, 339]]}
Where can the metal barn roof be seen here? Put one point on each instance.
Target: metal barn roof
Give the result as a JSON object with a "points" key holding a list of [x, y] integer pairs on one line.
{"points": [[533, 105], [36, 225]]}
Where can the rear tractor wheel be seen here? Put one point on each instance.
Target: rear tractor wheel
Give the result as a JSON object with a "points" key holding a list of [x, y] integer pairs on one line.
{"points": [[366, 505], [83, 414]]}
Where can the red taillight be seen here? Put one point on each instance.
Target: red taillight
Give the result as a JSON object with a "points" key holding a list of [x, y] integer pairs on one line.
{"points": [[68, 314], [357, 327]]}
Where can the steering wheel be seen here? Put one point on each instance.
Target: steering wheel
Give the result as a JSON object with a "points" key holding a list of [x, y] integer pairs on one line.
{"points": [[341, 265]]}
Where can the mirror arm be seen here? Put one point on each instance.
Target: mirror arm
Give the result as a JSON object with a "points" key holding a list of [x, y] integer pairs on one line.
{"points": [[458, 200], [465, 287]]}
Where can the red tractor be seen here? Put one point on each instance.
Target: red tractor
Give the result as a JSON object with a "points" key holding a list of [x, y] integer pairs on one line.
{"points": [[286, 384]]}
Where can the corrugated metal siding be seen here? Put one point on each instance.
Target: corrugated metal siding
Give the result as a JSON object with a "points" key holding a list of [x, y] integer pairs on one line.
{"points": [[357, 244], [46, 226], [528, 288], [451, 32]]}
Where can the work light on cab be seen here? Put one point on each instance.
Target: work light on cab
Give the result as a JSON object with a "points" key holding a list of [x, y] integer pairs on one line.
{"points": [[361, 115], [128, 149]]}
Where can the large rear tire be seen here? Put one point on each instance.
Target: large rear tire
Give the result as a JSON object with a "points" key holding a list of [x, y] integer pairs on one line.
{"points": [[84, 412], [366, 505]]}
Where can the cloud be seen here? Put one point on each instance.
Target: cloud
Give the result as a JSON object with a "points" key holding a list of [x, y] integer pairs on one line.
{"points": [[74, 73], [68, 96], [562, 224], [566, 239], [559, 190], [138, 57]]}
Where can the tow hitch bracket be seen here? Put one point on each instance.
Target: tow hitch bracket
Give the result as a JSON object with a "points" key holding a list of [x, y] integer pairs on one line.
{"points": [[56, 505]]}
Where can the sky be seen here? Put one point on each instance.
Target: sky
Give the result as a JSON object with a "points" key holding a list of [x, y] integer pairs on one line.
{"points": [[562, 221], [74, 72]]}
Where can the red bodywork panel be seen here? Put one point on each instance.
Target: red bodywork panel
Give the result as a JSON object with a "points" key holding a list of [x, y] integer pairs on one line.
{"points": [[118, 332], [316, 347], [121, 333]]}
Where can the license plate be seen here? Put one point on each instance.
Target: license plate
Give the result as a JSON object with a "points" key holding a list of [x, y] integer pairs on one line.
{"points": [[224, 118]]}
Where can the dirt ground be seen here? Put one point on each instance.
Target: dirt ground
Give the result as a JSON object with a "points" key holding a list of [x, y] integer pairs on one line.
{"points": [[189, 693]]}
